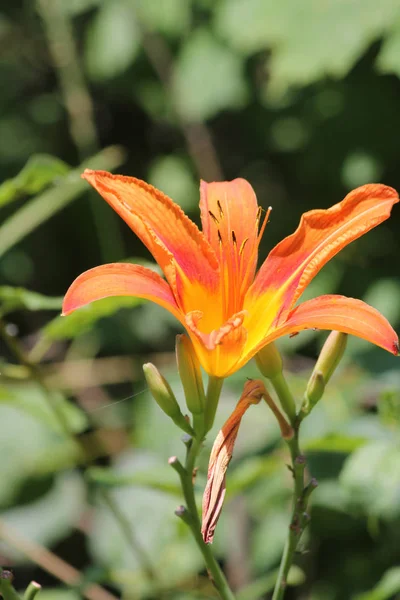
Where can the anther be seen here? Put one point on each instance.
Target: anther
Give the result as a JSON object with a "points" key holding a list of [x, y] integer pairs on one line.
{"points": [[221, 212], [219, 237], [259, 211], [234, 237], [214, 218]]}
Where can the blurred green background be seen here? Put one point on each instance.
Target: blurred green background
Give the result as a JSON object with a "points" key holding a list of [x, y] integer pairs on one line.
{"points": [[303, 100]]}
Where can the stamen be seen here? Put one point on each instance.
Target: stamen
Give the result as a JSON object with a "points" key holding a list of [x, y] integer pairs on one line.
{"points": [[263, 226], [214, 218], [221, 212], [219, 237], [234, 237], [241, 250], [245, 276]]}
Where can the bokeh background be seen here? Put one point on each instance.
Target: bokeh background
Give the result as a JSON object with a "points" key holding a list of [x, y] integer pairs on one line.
{"points": [[303, 100]]}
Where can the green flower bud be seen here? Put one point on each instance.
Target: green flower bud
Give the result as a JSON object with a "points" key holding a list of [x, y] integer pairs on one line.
{"points": [[164, 396], [315, 388], [269, 361], [331, 354], [329, 358], [190, 374]]}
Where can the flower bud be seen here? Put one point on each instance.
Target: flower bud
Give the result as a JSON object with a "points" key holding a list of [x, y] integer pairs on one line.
{"points": [[315, 388], [329, 358], [331, 354], [269, 361], [190, 374], [164, 396]]}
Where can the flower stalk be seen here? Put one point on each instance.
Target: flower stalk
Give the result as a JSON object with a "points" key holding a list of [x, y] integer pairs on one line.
{"points": [[299, 518], [190, 516]]}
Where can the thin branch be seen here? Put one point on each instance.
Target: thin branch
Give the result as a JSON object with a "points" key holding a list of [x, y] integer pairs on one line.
{"points": [[53, 564], [79, 106], [198, 138]]}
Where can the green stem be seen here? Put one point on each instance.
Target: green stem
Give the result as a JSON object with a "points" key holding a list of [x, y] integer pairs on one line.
{"points": [[299, 518], [285, 396], [186, 476], [7, 590], [212, 397], [31, 591]]}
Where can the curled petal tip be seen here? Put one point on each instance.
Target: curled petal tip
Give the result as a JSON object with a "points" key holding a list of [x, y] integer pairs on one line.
{"points": [[86, 173]]}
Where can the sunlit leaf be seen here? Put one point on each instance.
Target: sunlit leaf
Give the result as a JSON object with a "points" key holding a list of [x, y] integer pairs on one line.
{"points": [[170, 17], [209, 78], [112, 40], [29, 399], [161, 479], [171, 174], [386, 588], [12, 298], [308, 40], [48, 203], [49, 518], [371, 478], [334, 443], [38, 173], [85, 318], [156, 529], [29, 434]]}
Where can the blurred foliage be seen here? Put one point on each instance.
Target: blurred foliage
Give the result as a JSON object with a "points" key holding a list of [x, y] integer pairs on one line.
{"points": [[300, 98]]}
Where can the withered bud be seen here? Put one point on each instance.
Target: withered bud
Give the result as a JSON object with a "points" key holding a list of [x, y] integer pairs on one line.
{"points": [[190, 374], [269, 361], [220, 457]]}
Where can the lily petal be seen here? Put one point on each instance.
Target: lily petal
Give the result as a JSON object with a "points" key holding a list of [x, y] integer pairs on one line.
{"points": [[229, 214], [339, 313], [161, 224], [119, 279], [219, 350], [228, 206], [293, 263]]}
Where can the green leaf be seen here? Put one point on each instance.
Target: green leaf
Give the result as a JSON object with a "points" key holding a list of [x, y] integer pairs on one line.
{"points": [[51, 517], [112, 40], [389, 57], [40, 171], [12, 298], [168, 17], [39, 209], [160, 534], [162, 479], [57, 594], [334, 442], [171, 174], [85, 318], [250, 471], [389, 407], [31, 436], [371, 478], [387, 587], [30, 400], [208, 78], [303, 36], [263, 585]]}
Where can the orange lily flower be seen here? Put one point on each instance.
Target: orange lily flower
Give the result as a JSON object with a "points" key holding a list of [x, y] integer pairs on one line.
{"points": [[211, 286]]}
